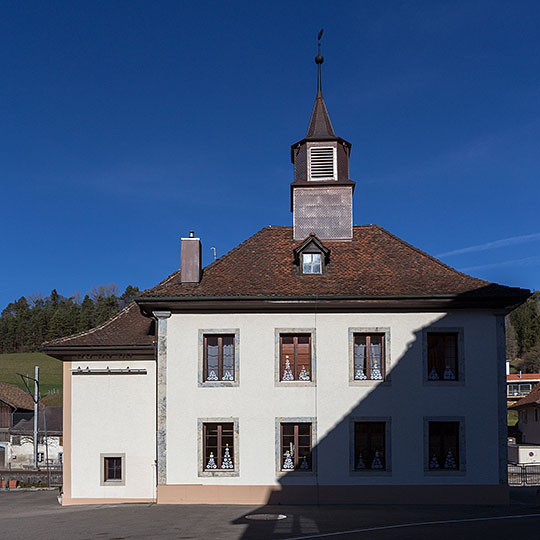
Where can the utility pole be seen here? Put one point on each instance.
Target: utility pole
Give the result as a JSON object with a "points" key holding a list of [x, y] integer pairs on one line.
{"points": [[35, 398], [36, 415]]}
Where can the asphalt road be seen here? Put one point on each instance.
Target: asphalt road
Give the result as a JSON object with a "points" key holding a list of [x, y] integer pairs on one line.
{"points": [[37, 515]]}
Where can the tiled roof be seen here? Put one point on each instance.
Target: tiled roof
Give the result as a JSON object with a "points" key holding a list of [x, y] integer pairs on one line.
{"points": [[533, 398], [15, 396], [516, 377], [127, 327], [374, 263], [53, 417]]}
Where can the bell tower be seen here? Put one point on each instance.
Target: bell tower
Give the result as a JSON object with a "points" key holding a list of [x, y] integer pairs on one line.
{"points": [[321, 193]]}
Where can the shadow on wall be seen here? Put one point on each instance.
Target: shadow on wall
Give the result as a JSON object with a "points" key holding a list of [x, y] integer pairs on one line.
{"points": [[410, 431]]}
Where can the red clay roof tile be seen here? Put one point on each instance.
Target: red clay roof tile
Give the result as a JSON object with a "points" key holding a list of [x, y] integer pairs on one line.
{"points": [[127, 327], [374, 263]]}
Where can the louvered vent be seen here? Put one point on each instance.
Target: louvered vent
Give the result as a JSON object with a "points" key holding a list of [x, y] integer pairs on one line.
{"points": [[322, 163]]}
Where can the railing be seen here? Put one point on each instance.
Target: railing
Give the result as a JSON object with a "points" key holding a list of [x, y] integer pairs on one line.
{"points": [[523, 475]]}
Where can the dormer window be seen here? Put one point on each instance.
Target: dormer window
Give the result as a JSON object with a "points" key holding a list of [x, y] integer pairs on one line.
{"points": [[311, 256], [311, 263], [322, 163]]}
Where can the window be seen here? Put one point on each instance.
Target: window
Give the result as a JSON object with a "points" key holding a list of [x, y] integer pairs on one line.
{"points": [[370, 446], [369, 357], [112, 469], [322, 163], [519, 389], [218, 446], [311, 263], [443, 443], [295, 357], [219, 358], [40, 457], [295, 447], [442, 360]]}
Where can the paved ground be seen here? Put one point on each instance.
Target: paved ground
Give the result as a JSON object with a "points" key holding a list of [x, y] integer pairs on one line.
{"points": [[30, 515]]}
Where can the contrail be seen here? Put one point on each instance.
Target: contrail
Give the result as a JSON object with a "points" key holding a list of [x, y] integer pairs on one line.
{"points": [[493, 245], [517, 262]]}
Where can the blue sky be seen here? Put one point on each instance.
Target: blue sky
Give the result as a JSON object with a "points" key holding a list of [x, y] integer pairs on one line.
{"points": [[127, 124]]}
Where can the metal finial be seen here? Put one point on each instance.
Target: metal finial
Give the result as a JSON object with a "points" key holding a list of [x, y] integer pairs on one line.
{"points": [[319, 59]]}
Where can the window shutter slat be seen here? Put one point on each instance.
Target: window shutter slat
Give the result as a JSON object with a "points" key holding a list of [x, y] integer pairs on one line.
{"points": [[322, 163]]}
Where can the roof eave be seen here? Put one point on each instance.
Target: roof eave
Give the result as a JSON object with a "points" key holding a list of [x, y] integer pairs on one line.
{"points": [[332, 303]]}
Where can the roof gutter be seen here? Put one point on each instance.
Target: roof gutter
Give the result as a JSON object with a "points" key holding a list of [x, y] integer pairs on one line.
{"points": [[337, 303]]}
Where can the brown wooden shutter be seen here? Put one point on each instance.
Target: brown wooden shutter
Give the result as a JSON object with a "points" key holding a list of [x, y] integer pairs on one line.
{"points": [[287, 349], [303, 355]]}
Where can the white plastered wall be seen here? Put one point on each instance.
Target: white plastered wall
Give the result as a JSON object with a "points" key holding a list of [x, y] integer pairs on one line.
{"points": [[256, 402], [113, 414]]}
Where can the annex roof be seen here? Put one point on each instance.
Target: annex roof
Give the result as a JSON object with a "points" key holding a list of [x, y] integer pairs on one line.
{"points": [[127, 328], [374, 264], [15, 397]]}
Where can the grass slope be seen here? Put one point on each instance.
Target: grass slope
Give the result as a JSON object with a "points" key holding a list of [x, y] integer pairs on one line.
{"points": [[50, 371]]}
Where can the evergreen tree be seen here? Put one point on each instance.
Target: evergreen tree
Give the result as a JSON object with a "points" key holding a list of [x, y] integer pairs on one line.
{"points": [[105, 308], [86, 315], [526, 323], [25, 325], [129, 294]]}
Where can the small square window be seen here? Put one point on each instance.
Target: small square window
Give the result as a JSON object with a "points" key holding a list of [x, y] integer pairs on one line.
{"points": [[112, 469], [370, 446], [442, 351], [219, 358], [311, 263], [295, 357], [443, 449], [369, 357], [295, 446]]}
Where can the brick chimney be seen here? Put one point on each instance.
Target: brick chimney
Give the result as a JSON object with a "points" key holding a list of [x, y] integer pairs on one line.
{"points": [[190, 259]]}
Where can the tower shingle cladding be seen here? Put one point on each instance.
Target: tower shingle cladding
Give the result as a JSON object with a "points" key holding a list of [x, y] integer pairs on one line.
{"points": [[325, 211]]}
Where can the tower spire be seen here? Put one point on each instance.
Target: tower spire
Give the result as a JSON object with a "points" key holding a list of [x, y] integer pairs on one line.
{"points": [[321, 194], [319, 124], [319, 59]]}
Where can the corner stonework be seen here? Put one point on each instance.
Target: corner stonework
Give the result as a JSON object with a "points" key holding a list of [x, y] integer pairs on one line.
{"points": [[161, 317]]}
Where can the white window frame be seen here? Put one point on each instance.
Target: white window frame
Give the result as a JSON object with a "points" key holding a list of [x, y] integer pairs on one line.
{"points": [[320, 263], [334, 156]]}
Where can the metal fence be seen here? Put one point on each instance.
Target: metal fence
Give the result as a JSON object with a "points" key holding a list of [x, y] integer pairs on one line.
{"points": [[523, 475]]}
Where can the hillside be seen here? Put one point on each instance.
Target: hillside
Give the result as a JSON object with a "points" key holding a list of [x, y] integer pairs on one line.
{"points": [[50, 372]]}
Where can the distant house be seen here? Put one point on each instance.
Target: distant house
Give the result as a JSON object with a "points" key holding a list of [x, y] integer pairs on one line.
{"points": [[50, 450], [17, 431], [15, 405], [519, 385], [528, 408]]}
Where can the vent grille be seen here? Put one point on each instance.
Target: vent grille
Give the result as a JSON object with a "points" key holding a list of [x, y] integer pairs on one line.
{"points": [[322, 161]]}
